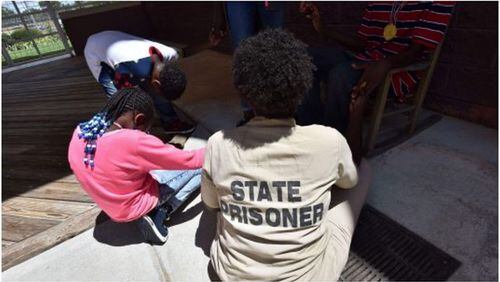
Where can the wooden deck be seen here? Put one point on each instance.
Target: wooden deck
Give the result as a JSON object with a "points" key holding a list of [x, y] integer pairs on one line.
{"points": [[42, 203]]}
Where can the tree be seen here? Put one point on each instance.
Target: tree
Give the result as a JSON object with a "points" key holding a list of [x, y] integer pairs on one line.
{"points": [[25, 34], [6, 12], [57, 5], [7, 39]]}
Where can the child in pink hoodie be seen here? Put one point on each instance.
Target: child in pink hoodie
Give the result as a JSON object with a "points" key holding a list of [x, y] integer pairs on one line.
{"points": [[130, 174]]}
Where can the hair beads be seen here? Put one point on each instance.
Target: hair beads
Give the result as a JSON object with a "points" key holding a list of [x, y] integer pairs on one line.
{"points": [[90, 131], [127, 99]]}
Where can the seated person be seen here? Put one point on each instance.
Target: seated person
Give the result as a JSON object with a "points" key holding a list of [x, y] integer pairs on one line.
{"points": [[271, 179], [127, 172], [391, 35], [117, 59]]}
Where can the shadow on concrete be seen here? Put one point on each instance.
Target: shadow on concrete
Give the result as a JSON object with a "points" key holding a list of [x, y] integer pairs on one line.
{"points": [[205, 235], [206, 231], [192, 212], [113, 233]]}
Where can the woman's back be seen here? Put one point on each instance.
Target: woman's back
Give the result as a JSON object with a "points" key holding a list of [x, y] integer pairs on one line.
{"points": [[272, 180]]}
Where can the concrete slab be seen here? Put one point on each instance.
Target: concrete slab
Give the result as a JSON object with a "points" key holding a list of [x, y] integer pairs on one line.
{"points": [[210, 97], [186, 254], [443, 185], [116, 254]]}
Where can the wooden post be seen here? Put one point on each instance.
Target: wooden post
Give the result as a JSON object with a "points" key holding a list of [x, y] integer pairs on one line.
{"points": [[53, 15], [378, 112], [5, 54], [26, 27], [422, 90]]}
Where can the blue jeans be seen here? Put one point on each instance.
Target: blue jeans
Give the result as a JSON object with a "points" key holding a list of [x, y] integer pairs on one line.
{"points": [[247, 18], [163, 107], [334, 67], [176, 186]]}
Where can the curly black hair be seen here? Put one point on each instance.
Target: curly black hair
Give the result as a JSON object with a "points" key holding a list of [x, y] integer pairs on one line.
{"points": [[173, 81], [272, 71]]}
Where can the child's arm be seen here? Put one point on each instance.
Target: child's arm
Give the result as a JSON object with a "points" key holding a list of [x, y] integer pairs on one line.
{"points": [[153, 154]]}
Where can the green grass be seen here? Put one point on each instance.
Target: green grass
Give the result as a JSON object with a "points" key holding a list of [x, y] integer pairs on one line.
{"points": [[46, 48]]}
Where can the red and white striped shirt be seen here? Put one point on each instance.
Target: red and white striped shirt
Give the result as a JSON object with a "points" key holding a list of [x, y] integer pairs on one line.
{"points": [[422, 23]]}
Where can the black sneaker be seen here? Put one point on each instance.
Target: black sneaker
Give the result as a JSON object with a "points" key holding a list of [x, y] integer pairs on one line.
{"points": [[153, 228], [168, 211], [179, 127]]}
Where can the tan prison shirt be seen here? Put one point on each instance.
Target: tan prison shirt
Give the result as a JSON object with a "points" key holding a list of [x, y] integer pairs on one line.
{"points": [[271, 180]]}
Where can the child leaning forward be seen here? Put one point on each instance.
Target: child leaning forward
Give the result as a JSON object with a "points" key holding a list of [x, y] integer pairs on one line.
{"points": [[130, 174]]}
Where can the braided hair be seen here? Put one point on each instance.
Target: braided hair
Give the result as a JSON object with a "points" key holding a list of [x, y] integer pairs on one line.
{"points": [[125, 100]]}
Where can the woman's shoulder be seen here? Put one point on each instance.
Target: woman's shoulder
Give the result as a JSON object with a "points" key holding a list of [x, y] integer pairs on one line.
{"points": [[216, 138], [321, 132]]}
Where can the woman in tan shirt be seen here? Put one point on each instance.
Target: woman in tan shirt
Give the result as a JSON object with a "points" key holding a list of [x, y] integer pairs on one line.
{"points": [[271, 179]]}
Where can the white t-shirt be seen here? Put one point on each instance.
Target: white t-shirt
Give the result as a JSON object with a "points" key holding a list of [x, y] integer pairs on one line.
{"points": [[114, 47], [271, 180]]}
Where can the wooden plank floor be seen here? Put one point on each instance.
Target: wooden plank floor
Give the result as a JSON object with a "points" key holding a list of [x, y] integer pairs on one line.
{"points": [[42, 203]]}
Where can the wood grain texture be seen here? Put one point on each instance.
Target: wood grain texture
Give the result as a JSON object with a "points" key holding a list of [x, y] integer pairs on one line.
{"points": [[43, 203], [42, 208], [19, 252], [6, 243], [66, 191], [17, 228]]}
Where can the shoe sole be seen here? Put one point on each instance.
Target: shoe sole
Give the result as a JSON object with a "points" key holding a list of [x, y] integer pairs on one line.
{"points": [[150, 233], [189, 131]]}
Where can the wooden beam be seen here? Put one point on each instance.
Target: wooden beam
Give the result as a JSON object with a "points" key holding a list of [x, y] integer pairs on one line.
{"points": [[6, 243], [16, 253], [43, 209], [18, 228], [52, 191]]}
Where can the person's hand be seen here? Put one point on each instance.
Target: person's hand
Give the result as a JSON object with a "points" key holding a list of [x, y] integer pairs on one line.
{"points": [[356, 108], [373, 74], [215, 36], [311, 11]]}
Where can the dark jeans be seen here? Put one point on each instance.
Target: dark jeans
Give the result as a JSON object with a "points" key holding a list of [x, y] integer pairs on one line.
{"points": [[334, 67], [247, 18], [163, 107]]}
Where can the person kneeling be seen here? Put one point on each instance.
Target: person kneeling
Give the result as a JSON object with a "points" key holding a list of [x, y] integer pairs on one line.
{"points": [[130, 174], [271, 179]]}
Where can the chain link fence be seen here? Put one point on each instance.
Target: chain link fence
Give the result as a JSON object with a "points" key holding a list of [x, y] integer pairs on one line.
{"points": [[32, 30]]}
